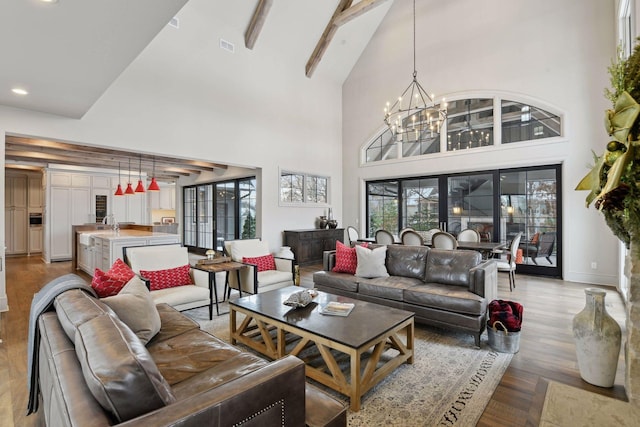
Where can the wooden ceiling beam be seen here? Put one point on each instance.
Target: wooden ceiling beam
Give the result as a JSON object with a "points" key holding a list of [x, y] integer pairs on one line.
{"points": [[257, 22], [354, 11], [325, 38], [344, 13]]}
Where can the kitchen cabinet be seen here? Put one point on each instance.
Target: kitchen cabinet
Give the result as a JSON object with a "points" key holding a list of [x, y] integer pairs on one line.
{"points": [[101, 249], [35, 193], [163, 199], [309, 245], [35, 239], [15, 214], [68, 206], [130, 208]]}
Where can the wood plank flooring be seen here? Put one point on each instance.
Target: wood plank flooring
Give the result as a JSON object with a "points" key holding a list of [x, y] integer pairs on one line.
{"points": [[546, 344]]}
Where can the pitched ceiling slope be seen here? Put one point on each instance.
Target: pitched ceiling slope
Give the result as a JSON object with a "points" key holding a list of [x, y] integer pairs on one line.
{"points": [[66, 54]]}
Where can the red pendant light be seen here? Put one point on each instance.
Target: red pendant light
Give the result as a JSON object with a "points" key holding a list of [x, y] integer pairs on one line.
{"points": [[129, 191], [140, 186], [119, 191], [153, 186]]}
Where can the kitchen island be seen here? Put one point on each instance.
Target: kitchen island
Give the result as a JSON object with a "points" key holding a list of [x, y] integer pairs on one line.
{"points": [[100, 248]]}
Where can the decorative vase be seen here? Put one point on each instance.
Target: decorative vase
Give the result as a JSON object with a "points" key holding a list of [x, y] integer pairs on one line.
{"points": [[597, 336], [322, 222], [285, 252], [332, 223]]}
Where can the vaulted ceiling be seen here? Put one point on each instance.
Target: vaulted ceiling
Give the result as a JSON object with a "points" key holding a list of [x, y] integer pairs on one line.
{"points": [[67, 53]]}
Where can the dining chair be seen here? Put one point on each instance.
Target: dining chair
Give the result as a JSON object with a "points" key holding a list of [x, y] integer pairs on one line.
{"points": [[468, 235], [412, 238], [404, 230], [443, 240], [428, 235], [509, 265], [353, 235], [383, 237]]}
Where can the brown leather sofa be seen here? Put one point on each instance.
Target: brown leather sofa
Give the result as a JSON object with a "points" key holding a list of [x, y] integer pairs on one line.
{"points": [[444, 288], [94, 370]]}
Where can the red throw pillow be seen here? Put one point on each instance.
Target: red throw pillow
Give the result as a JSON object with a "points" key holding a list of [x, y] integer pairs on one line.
{"points": [[346, 259], [264, 263], [110, 283], [169, 278]]}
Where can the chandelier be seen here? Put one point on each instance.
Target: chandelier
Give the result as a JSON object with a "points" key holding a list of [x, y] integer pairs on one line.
{"points": [[468, 137], [415, 111]]}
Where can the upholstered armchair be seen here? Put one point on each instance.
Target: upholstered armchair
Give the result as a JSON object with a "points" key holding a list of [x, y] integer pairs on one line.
{"points": [[166, 261], [264, 272]]}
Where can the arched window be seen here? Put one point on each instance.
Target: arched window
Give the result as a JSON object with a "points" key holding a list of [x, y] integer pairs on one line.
{"points": [[470, 124]]}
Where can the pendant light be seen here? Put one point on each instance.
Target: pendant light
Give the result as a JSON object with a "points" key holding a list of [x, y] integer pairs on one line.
{"points": [[119, 191], [140, 186], [153, 186], [129, 191]]}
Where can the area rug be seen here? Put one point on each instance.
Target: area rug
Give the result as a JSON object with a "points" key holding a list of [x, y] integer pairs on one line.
{"points": [[449, 384], [565, 405]]}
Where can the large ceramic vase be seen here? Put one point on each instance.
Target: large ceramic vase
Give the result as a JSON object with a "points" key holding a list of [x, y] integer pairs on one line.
{"points": [[597, 336]]}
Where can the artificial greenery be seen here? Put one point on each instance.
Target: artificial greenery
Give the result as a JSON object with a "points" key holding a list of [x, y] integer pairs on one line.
{"points": [[614, 180]]}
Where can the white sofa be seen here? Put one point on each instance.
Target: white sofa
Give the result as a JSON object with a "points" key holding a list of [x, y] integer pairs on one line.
{"points": [[162, 257], [251, 280]]}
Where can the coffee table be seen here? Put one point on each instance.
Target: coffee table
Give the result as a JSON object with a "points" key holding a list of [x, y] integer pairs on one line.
{"points": [[369, 331]]}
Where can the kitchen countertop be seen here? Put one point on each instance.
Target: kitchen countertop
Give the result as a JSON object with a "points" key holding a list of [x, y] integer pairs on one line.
{"points": [[123, 234]]}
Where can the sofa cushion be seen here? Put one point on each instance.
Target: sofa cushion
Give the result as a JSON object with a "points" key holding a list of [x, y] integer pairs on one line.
{"points": [[407, 261], [247, 248], [271, 277], [111, 282], [451, 267], [74, 307], [344, 281], [264, 262], [172, 323], [391, 287], [135, 307], [445, 297], [371, 262], [119, 370], [179, 295], [168, 278], [346, 258]]}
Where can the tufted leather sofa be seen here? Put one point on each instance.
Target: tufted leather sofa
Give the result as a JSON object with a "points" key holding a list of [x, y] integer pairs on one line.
{"points": [[444, 288], [93, 370]]}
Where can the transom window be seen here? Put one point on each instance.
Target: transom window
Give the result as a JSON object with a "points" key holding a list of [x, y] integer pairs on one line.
{"points": [[470, 125], [300, 188]]}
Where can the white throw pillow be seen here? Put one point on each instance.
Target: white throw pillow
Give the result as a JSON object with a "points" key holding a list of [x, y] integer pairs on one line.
{"points": [[371, 262], [136, 308]]}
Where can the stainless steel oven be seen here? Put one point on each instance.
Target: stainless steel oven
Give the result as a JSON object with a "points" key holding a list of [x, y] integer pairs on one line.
{"points": [[35, 220]]}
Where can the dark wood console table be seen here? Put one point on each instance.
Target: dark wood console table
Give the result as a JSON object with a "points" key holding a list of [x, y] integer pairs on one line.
{"points": [[308, 245]]}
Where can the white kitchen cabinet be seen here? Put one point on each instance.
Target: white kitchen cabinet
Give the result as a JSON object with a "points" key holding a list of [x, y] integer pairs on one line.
{"points": [[69, 206], [35, 193], [130, 208], [15, 214], [35, 239], [163, 199]]}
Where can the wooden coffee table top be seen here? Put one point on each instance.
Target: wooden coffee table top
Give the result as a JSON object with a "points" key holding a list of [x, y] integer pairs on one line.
{"points": [[365, 322]]}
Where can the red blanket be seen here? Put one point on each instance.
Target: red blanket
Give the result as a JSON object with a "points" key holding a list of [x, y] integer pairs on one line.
{"points": [[509, 313]]}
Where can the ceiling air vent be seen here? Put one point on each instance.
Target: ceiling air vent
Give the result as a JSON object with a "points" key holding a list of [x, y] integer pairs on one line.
{"points": [[228, 46], [175, 22]]}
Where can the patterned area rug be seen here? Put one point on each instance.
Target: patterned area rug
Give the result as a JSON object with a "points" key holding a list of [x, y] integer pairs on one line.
{"points": [[449, 384]]}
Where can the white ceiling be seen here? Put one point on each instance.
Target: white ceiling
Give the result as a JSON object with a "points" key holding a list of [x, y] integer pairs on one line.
{"points": [[68, 53]]}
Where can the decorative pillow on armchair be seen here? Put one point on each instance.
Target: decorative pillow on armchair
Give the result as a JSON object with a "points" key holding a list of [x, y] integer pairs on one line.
{"points": [[346, 258], [109, 283], [371, 262], [169, 278], [264, 263]]}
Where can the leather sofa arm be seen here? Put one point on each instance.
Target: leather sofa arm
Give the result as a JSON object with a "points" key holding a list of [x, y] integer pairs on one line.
{"points": [[483, 280], [328, 260], [272, 395]]}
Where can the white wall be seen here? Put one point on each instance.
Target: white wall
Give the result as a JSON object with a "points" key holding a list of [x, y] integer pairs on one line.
{"points": [[185, 97], [552, 52]]}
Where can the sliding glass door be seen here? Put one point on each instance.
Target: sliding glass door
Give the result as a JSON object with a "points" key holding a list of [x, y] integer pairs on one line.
{"points": [[498, 204], [216, 212]]}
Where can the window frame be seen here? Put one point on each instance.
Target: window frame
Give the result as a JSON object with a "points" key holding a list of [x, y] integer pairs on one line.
{"points": [[305, 177]]}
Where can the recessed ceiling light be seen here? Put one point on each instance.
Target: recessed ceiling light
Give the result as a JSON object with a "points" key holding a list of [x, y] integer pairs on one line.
{"points": [[19, 91], [49, 1]]}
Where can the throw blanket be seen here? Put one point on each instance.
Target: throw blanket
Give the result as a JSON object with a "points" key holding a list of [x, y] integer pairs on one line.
{"points": [[42, 301], [509, 313]]}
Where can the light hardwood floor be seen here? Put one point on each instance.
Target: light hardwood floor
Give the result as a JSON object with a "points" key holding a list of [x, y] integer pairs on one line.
{"points": [[547, 350]]}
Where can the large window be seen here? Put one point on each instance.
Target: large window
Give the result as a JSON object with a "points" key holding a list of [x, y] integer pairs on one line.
{"points": [[469, 125], [299, 188], [216, 212], [498, 204]]}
